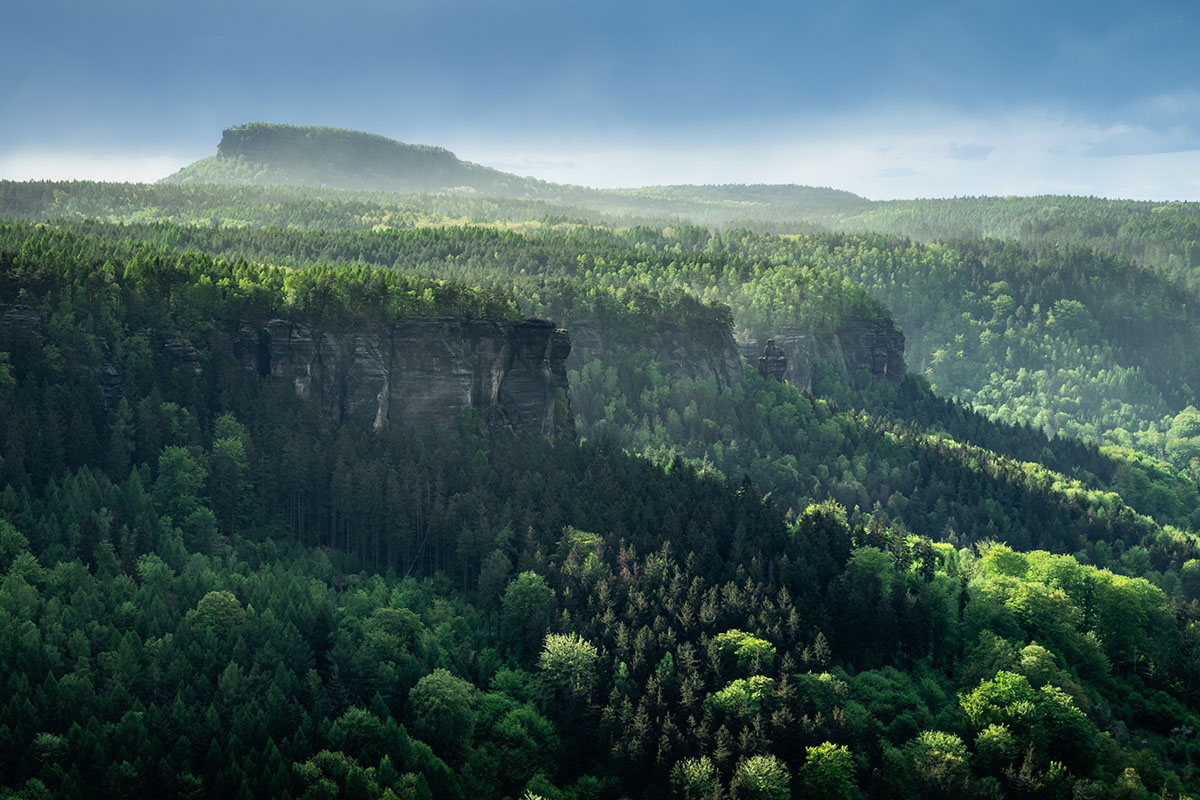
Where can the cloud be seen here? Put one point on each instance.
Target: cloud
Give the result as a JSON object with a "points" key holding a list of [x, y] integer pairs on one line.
{"points": [[885, 153], [34, 165], [1122, 140], [970, 152]]}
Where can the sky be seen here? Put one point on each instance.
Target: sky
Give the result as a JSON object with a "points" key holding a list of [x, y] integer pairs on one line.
{"points": [[882, 98]]}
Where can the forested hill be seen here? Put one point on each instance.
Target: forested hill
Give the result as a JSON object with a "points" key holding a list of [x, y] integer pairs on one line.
{"points": [[1164, 235], [795, 198], [1064, 338], [262, 153], [208, 590]]}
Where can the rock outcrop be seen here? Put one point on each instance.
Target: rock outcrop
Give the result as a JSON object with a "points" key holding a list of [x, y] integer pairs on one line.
{"points": [[21, 326], [773, 363], [21, 322], [681, 353], [861, 346], [421, 371]]}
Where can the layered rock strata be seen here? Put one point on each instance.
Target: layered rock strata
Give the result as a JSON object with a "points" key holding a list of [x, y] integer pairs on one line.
{"points": [[422, 371], [419, 372], [861, 346]]}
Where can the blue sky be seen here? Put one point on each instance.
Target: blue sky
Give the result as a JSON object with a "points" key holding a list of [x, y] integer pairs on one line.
{"points": [[883, 98]]}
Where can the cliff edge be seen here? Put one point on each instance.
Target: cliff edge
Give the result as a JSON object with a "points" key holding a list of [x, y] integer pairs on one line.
{"points": [[421, 371], [873, 346]]}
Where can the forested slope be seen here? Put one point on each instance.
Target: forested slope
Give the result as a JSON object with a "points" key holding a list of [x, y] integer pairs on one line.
{"points": [[210, 589], [1161, 235], [1062, 337]]}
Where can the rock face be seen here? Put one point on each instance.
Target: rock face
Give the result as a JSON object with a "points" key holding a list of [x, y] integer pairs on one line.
{"points": [[773, 363], [874, 346], [711, 353], [421, 371], [21, 322], [21, 326]]}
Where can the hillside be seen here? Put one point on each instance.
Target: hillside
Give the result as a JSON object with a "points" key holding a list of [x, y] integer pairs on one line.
{"points": [[312, 607], [1161, 235], [1063, 337], [1164, 235]]}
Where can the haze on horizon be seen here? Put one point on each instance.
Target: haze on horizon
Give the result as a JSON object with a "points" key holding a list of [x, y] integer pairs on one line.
{"points": [[888, 101]]}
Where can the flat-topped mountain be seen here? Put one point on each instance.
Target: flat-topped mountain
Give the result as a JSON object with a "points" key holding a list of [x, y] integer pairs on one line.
{"points": [[264, 153], [336, 158]]}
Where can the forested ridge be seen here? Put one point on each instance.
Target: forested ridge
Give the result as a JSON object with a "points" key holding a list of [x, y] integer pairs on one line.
{"points": [[927, 583], [1158, 234], [1061, 336]]}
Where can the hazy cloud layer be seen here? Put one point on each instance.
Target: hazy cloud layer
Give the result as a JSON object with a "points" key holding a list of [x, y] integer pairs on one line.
{"points": [[880, 156], [63, 165], [883, 98]]}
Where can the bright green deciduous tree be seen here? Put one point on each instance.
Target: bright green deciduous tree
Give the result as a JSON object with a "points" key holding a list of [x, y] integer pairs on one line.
{"points": [[760, 778], [828, 773], [1045, 719], [220, 610], [180, 483], [939, 764], [695, 779], [1183, 438], [752, 654], [568, 663]]}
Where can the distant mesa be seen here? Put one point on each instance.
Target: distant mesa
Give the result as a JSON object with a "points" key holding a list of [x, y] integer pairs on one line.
{"points": [[261, 153]]}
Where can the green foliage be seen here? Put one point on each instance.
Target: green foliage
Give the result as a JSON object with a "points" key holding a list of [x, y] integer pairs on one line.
{"points": [[745, 695], [750, 653], [760, 778], [695, 779], [12, 544], [441, 711], [939, 763], [828, 773], [1046, 720], [180, 484], [568, 664], [525, 612], [1183, 439], [208, 588], [220, 610]]}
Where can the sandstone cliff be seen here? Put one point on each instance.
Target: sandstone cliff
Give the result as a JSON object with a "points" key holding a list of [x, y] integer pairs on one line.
{"points": [[421, 371], [861, 346]]}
